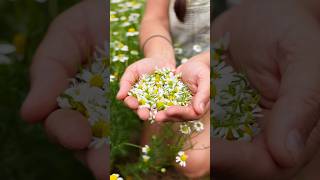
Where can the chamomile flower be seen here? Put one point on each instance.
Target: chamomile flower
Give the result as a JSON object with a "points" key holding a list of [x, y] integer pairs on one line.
{"points": [[115, 177], [145, 149], [63, 102], [95, 79], [113, 18], [198, 126], [126, 24], [133, 17], [121, 47], [185, 129], [145, 158], [123, 18], [132, 32], [121, 58], [184, 60], [181, 158], [197, 48], [178, 51], [112, 78]]}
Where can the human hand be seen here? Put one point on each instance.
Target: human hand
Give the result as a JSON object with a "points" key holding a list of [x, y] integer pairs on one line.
{"points": [[275, 44], [69, 41], [132, 75], [196, 74]]}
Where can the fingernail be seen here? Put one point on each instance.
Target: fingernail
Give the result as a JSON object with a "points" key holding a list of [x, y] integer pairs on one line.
{"points": [[295, 144]]}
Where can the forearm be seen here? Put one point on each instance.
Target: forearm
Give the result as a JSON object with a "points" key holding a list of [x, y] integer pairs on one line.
{"points": [[157, 46]]}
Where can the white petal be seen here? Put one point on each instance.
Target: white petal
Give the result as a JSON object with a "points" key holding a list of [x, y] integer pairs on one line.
{"points": [[7, 48]]}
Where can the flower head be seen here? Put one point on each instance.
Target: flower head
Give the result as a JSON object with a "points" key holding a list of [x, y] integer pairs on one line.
{"points": [[145, 149], [185, 129], [182, 159], [198, 126], [115, 177]]}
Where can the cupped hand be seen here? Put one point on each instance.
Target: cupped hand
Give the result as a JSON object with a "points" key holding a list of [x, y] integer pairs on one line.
{"points": [[195, 73], [132, 75], [275, 43], [69, 41]]}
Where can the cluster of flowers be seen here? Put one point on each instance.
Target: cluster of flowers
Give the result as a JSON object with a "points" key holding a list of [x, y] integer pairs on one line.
{"points": [[235, 103], [124, 17], [87, 94], [160, 90]]}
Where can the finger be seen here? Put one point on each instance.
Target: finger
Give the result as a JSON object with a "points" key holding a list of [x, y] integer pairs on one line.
{"points": [[202, 96], [296, 111], [127, 80], [183, 113], [98, 161], [161, 116], [56, 60], [131, 102], [69, 128], [143, 113]]}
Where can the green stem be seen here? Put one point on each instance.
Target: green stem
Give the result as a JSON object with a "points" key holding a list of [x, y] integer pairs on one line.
{"points": [[132, 145]]}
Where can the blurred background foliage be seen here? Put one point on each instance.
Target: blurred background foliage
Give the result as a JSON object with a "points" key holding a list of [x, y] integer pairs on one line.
{"points": [[25, 152]]}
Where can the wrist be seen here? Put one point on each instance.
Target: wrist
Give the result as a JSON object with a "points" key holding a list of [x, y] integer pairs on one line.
{"points": [[160, 51]]}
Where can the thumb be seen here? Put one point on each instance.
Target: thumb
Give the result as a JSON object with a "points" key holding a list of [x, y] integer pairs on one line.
{"points": [[128, 78], [202, 96], [295, 113]]}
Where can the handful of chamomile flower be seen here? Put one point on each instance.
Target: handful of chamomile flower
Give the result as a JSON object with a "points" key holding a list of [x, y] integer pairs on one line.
{"points": [[235, 103], [87, 94], [159, 90]]}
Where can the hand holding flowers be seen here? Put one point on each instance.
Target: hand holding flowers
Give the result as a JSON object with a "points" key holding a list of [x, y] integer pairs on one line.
{"points": [[195, 73], [132, 75]]}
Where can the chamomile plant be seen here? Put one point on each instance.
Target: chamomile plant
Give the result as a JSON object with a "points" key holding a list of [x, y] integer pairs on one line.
{"points": [[234, 107]]}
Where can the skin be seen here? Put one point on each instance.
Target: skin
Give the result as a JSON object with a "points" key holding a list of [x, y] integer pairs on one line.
{"points": [[195, 73], [275, 44], [70, 39]]}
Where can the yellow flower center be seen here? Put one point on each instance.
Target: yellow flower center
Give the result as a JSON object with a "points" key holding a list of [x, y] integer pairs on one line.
{"points": [[113, 177], [100, 129], [113, 17], [96, 80], [184, 157], [132, 30]]}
